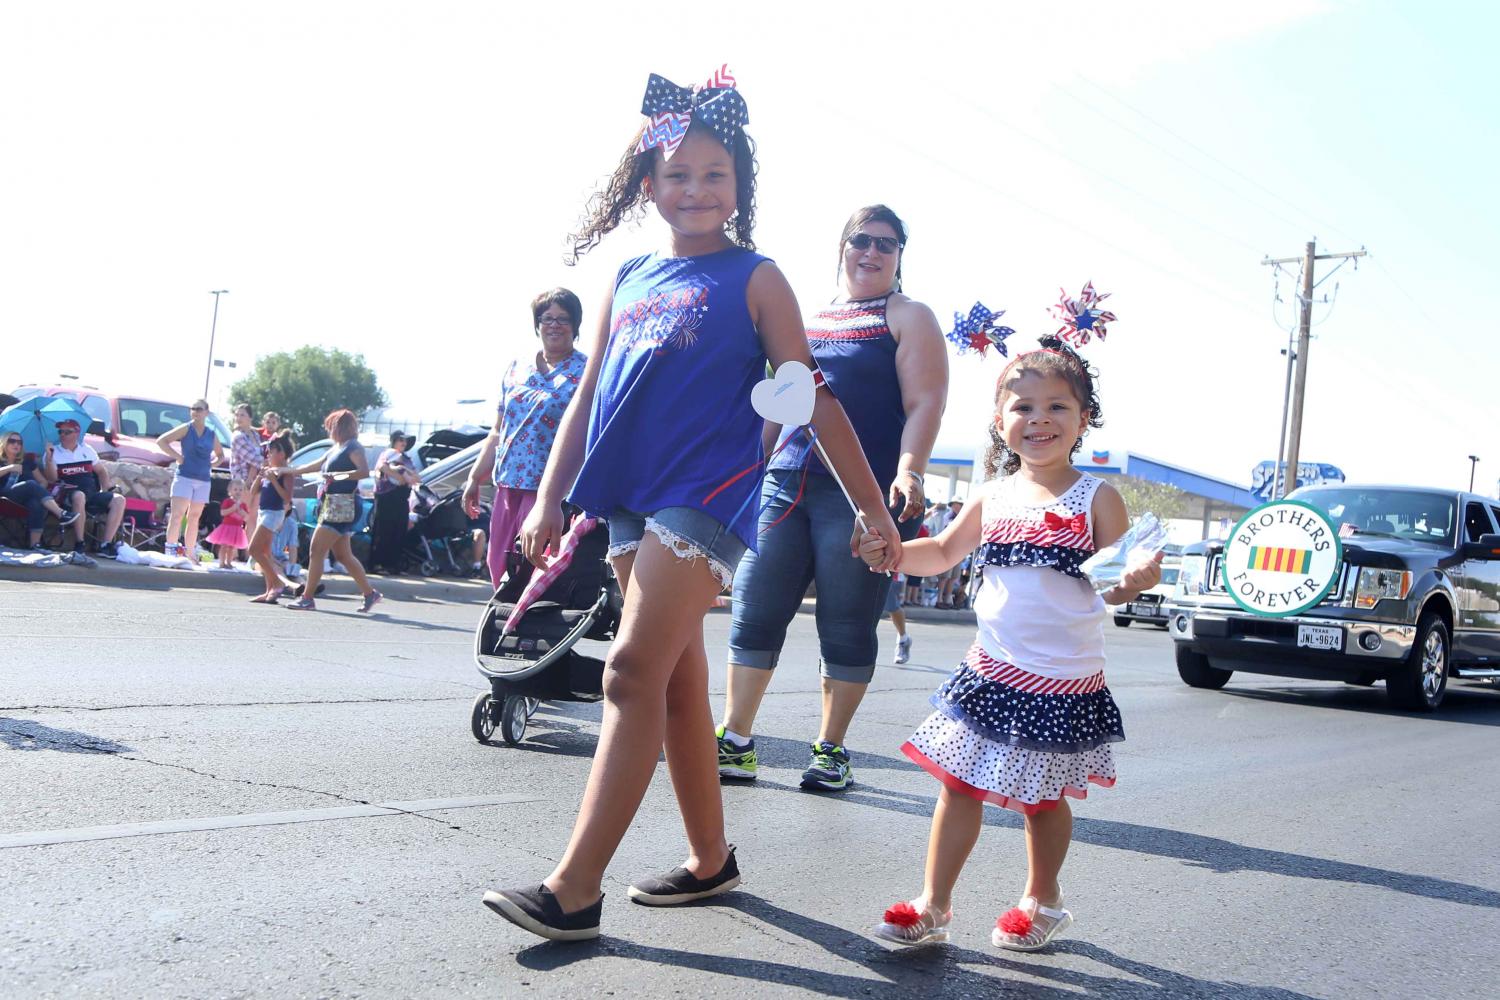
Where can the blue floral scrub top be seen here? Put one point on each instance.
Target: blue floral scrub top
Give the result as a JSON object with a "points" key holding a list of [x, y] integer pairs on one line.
{"points": [[531, 407]]}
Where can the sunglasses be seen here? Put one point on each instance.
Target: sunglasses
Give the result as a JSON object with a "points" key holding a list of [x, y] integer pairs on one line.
{"points": [[198, 409], [67, 430], [885, 244]]}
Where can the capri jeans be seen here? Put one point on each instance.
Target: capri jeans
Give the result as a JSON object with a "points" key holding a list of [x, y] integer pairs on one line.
{"points": [[812, 544], [29, 494]]}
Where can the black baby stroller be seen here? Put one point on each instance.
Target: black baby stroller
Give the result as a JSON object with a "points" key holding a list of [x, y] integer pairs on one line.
{"points": [[440, 539], [536, 661]]}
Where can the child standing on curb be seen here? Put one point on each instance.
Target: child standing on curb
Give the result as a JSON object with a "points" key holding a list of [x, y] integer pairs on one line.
{"points": [[660, 439], [1025, 720]]}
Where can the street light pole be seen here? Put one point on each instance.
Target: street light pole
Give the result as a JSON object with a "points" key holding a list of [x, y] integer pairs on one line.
{"points": [[1473, 461], [209, 369]]}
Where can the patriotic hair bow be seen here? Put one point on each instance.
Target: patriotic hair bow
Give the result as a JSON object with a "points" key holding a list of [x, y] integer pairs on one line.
{"points": [[1082, 316], [977, 331], [670, 109]]}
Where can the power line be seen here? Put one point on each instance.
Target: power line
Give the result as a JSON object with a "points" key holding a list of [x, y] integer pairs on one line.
{"points": [[1199, 149]]}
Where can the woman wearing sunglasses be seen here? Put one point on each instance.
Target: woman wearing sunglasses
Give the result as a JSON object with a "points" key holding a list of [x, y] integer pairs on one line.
{"points": [[884, 356], [191, 479], [19, 484]]}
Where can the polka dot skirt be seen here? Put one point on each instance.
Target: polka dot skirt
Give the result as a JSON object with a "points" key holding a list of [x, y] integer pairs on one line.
{"points": [[1011, 742]]}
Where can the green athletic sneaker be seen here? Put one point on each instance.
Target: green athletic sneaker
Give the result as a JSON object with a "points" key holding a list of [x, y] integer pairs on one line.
{"points": [[736, 763], [829, 770]]}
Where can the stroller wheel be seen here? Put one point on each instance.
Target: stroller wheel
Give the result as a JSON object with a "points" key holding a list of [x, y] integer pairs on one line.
{"points": [[428, 568], [532, 704], [482, 719], [513, 719]]}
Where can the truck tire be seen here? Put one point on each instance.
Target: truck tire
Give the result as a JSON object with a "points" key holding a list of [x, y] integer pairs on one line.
{"points": [[1418, 684], [1195, 671], [1122, 621]]}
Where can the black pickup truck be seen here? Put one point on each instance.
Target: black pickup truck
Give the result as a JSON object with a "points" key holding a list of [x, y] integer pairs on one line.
{"points": [[1415, 602]]}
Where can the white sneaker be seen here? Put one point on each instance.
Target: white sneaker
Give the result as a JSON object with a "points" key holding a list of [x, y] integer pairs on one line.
{"points": [[903, 648]]}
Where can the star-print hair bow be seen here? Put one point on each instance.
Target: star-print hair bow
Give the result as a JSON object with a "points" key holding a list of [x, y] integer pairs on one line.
{"points": [[1082, 316], [978, 332], [670, 109]]}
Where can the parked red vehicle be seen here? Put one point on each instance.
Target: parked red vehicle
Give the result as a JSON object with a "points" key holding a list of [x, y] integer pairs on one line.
{"points": [[131, 423]]}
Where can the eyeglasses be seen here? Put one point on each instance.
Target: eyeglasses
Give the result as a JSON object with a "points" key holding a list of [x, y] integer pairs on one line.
{"points": [[555, 321], [198, 409], [885, 244], [67, 430]]}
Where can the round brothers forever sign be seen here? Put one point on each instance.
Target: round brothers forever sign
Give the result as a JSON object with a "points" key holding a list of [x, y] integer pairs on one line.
{"points": [[1282, 558]]}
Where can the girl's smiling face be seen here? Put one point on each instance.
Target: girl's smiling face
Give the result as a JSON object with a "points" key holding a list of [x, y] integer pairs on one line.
{"points": [[1041, 419], [695, 193]]}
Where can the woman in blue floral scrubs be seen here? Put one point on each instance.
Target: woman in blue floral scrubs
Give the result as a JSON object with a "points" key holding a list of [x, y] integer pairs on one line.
{"points": [[533, 397]]}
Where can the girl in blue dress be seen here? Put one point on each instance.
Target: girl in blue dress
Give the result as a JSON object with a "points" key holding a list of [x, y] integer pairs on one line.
{"points": [[655, 441]]}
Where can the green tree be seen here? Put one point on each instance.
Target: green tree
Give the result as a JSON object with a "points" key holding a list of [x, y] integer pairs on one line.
{"points": [[305, 385], [1141, 495]]}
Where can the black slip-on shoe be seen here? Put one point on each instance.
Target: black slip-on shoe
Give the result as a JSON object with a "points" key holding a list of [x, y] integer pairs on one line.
{"points": [[681, 886], [537, 911]]}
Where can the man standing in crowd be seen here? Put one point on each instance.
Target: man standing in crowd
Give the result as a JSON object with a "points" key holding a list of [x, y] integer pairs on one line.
{"points": [[86, 487]]}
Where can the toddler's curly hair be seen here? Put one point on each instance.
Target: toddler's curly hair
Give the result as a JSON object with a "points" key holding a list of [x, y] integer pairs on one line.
{"points": [[1054, 358]]}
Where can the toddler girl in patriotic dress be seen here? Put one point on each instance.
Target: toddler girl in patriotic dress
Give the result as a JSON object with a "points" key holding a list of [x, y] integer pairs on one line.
{"points": [[1026, 720]]}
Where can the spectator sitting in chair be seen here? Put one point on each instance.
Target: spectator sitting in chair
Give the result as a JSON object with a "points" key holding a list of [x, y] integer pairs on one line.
{"points": [[81, 484], [18, 484]]}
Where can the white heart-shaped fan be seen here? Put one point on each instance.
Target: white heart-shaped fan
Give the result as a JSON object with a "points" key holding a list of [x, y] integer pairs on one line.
{"points": [[787, 397]]}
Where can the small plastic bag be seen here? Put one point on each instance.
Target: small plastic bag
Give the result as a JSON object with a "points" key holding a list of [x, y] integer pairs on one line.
{"points": [[1143, 539]]}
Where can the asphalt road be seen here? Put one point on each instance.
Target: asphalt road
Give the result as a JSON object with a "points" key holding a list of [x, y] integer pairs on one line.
{"points": [[204, 798]]}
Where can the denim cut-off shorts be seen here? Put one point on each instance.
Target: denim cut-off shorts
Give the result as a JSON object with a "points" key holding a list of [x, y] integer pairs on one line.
{"points": [[687, 532], [270, 519]]}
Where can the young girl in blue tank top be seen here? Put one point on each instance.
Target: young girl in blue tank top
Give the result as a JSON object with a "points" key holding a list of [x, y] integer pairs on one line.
{"points": [[654, 441], [1026, 721]]}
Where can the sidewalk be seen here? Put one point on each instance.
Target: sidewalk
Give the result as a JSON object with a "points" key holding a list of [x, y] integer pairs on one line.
{"points": [[109, 573]]}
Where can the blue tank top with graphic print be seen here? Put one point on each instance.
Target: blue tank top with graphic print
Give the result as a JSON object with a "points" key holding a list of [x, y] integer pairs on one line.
{"points": [[671, 421]]}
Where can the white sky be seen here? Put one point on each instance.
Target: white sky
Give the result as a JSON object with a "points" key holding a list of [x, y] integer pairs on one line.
{"points": [[398, 180]]}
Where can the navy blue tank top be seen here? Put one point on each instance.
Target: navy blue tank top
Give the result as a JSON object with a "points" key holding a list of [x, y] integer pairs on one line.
{"points": [[197, 454], [340, 459], [671, 419], [853, 345]]}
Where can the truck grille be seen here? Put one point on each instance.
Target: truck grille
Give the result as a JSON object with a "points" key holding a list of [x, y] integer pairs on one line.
{"points": [[1215, 585]]}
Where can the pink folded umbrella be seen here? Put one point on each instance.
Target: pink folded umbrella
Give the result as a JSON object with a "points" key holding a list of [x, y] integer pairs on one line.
{"points": [[541, 580]]}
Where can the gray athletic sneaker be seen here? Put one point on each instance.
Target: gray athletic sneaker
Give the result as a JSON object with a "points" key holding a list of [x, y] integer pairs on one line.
{"points": [[903, 648], [77, 558]]}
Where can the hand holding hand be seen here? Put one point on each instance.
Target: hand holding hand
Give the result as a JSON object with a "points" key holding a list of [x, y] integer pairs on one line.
{"points": [[872, 548], [878, 523]]}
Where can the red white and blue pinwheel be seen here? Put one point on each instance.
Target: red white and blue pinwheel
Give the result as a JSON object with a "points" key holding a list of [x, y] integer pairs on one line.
{"points": [[670, 109], [978, 332], [1082, 317]]}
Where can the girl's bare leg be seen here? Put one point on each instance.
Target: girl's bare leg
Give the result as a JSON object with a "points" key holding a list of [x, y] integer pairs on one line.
{"points": [[665, 601], [955, 830], [693, 760], [260, 551], [1048, 834]]}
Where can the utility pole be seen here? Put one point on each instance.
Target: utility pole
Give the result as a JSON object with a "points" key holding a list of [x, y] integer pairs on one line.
{"points": [[1308, 260], [1473, 462], [209, 368]]}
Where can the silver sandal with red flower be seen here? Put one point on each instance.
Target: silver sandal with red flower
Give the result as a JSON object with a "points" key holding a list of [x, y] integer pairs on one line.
{"points": [[1030, 926], [909, 925]]}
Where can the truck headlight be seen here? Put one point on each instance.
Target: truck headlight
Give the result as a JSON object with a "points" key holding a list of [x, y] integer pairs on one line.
{"points": [[1380, 585], [1190, 575]]}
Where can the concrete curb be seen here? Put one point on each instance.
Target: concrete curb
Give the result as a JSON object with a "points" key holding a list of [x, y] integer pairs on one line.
{"points": [[112, 574], [404, 588]]}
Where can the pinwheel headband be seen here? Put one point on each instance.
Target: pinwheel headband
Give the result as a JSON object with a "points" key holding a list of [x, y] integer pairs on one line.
{"points": [[670, 109], [978, 331], [1082, 316]]}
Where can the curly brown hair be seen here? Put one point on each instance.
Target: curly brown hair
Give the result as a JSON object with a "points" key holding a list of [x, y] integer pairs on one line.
{"points": [[1054, 358], [623, 196]]}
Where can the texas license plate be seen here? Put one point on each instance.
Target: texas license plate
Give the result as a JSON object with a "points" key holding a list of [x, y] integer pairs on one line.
{"points": [[1320, 637]]}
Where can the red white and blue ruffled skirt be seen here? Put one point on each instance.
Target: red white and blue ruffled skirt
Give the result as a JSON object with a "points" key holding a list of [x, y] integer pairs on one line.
{"points": [[1004, 735]]}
